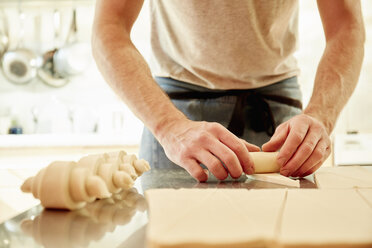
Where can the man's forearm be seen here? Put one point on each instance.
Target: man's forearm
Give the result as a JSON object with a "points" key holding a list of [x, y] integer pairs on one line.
{"points": [[128, 74], [337, 74]]}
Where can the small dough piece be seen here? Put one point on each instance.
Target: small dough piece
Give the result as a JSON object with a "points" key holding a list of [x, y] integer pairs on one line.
{"points": [[326, 218], [276, 178], [204, 218], [265, 162], [343, 177]]}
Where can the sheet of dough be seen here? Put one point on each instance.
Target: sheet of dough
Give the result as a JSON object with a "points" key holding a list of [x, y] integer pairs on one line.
{"points": [[213, 217], [343, 177], [326, 218], [366, 195], [276, 178]]}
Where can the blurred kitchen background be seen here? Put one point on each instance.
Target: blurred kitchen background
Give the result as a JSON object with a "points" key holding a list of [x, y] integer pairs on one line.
{"points": [[69, 104], [65, 110]]}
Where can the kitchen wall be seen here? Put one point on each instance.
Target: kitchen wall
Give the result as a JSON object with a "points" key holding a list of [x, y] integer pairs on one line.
{"points": [[88, 105]]}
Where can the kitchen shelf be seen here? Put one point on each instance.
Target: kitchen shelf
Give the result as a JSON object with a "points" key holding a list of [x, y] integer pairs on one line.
{"points": [[65, 140]]}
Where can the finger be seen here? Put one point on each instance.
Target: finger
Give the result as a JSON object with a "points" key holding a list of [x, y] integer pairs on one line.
{"points": [[238, 147], [250, 147], [313, 169], [295, 137], [302, 153], [227, 156], [277, 139], [213, 164], [317, 166], [319, 154], [195, 170]]}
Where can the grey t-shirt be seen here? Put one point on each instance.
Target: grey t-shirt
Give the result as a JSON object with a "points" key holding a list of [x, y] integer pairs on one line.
{"points": [[224, 44]]}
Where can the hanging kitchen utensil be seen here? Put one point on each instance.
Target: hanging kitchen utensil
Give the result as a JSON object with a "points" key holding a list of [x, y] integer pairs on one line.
{"points": [[47, 72], [73, 58], [4, 34], [20, 65]]}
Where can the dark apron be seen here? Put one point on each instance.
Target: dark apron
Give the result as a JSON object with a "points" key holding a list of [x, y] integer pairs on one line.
{"points": [[250, 114]]}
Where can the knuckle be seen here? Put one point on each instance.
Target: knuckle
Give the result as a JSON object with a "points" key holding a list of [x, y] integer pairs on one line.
{"points": [[213, 127], [202, 137], [197, 173], [229, 160], [221, 175], [284, 154], [308, 148], [318, 154], [184, 151], [297, 138], [183, 159], [238, 147], [214, 165]]}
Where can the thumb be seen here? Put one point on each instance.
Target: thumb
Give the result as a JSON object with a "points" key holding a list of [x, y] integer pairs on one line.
{"points": [[277, 140], [251, 147]]}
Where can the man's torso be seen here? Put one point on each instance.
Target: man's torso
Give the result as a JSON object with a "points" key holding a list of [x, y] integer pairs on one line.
{"points": [[224, 44]]}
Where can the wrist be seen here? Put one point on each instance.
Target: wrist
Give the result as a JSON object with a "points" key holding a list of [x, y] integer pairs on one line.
{"points": [[165, 124], [327, 119]]}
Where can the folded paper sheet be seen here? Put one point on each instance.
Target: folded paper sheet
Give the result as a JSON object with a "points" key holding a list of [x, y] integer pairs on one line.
{"points": [[210, 218]]}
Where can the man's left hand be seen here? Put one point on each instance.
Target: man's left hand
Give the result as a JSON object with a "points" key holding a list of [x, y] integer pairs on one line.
{"points": [[304, 145]]}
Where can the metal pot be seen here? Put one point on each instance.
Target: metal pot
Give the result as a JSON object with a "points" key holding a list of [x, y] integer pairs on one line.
{"points": [[20, 65], [73, 58], [47, 71]]}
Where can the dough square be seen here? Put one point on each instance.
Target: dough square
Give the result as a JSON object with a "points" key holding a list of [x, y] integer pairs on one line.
{"points": [[366, 195], [326, 218], [343, 177], [213, 217]]}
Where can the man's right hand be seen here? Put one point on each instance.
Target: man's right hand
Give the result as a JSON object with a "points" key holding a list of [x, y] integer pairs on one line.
{"points": [[191, 143]]}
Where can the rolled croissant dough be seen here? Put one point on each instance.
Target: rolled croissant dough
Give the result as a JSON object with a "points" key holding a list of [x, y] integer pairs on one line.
{"points": [[70, 185], [266, 168], [265, 162]]}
